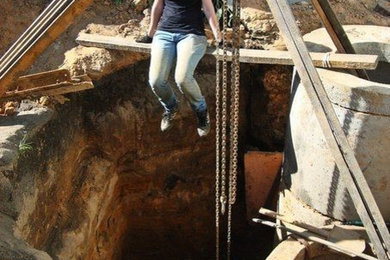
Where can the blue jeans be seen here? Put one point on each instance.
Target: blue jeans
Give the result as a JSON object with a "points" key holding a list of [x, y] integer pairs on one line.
{"points": [[189, 49]]}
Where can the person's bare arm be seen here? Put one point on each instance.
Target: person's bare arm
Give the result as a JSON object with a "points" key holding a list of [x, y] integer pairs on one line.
{"points": [[208, 9], [157, 9]]}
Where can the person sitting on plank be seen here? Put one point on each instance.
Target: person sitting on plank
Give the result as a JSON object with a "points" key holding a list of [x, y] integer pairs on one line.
{"points": [[177, 32]]}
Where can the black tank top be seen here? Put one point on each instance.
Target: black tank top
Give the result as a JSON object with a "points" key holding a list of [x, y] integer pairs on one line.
{"points": [[182, 16]]}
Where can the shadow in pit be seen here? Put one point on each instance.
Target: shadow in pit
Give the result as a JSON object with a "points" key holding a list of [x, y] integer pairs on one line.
{"points": [[290, 165]]}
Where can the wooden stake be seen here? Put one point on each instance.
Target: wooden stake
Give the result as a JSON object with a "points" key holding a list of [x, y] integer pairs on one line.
{"points": [[336, 31]]}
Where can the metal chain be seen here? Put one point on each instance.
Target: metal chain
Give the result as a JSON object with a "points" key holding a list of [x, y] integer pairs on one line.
{"points": [[236, 105], [223, 198], [220, 182], [217, 151], [235, 95]]}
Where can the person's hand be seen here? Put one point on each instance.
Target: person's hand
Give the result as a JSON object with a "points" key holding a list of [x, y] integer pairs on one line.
{"points": [[218, 39], [151, 32], [219, 42], [144, 39]]}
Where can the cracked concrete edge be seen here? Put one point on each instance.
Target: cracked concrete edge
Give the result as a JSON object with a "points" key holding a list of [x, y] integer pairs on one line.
{"points": [[357, 94], [14, 130]]}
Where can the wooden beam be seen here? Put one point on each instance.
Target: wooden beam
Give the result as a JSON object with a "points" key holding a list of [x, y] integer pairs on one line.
{"points": [[336, 60], [41, 34], [43, 79], [76, 84], [345, 159], [336, 31]]}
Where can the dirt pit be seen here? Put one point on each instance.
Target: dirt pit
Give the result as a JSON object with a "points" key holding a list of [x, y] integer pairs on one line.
{"points": [[104, 183]]}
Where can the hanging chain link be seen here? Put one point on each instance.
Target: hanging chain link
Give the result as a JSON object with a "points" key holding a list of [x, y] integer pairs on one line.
{"points": [[222, 200], [217, 150], [236, 103], [234, 120]]}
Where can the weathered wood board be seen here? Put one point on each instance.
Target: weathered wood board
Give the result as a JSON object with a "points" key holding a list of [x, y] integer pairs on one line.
{"points": [[336, 60], [42, 41], [76, 84], [43, 79]]}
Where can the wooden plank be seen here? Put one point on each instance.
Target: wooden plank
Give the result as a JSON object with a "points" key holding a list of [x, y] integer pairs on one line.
{"points": [[56, 28], [344, 157], [261, 169], [43, 79], [246, 55], [336, 31], [79, 83]]}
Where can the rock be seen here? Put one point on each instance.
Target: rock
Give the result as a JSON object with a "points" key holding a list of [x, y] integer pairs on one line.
{"points": [[97, 62], [14, 129], [26, 105], [146, 12], [267, 27], [140, 5], [279, 45], [144, 24], [15, 248], [44, 100], [10, 108]]}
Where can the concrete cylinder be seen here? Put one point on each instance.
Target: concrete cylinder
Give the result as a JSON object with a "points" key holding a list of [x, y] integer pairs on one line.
{"points": [[363, 109]]}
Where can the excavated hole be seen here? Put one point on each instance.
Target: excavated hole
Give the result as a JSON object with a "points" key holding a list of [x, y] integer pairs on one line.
{"points": [[112, 186]]}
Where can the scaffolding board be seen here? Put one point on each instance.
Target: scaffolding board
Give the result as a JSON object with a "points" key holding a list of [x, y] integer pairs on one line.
{"points": [[336, 60]]}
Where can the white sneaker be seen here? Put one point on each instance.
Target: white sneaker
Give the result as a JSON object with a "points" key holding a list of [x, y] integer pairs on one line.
{"points": [[203, 123], [167, 120]]}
